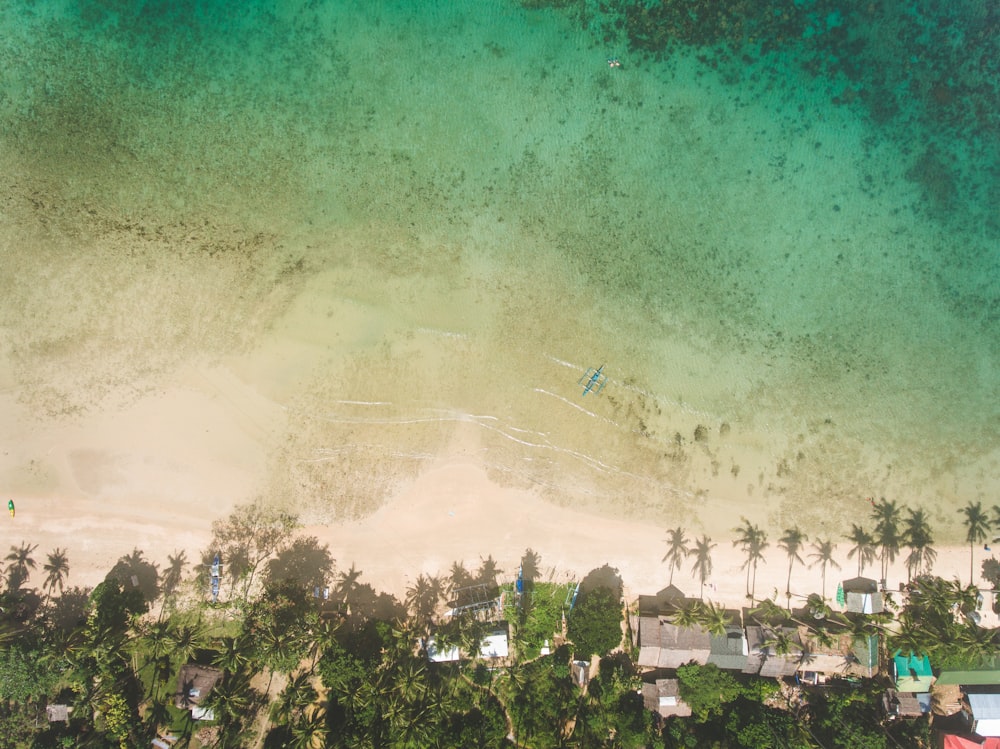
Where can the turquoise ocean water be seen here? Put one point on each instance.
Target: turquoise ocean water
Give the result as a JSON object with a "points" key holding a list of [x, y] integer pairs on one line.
{"points": [[775, 223]]}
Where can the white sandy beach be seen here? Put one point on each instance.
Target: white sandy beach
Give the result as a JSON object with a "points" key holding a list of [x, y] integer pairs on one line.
{"points": [[154, 475]]}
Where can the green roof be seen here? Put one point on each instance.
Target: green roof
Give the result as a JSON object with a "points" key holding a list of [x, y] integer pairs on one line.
{"points": [[913, 672], [865, 649], [987, 676]]}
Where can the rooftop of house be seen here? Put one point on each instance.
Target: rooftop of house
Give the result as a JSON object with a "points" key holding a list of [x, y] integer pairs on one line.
{"points": [[912, 672], [860, 585], [663, 644], [194, 682], [730, 650], [763, 645], [663, 697], [665, 601]]}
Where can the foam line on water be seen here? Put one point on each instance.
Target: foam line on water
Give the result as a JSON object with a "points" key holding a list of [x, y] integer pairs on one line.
{"points": [[577, 406], [364, 403]]}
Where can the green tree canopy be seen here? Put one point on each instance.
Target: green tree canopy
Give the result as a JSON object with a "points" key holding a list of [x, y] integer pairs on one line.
{"points": [[249, 536], [113, 606], [594, 624], [706, 689]]}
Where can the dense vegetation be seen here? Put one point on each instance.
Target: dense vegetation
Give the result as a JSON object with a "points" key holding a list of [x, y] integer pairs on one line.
{"points": [[309, 658]]}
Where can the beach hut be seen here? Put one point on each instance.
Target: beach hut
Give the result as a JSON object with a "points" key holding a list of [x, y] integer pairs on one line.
{"points": [[862, 596], [435, 654], [914, 678], [663, 697], [764, 655], [663, 644], [194, 682], [495, 644], [58, 713], [730, 650]]}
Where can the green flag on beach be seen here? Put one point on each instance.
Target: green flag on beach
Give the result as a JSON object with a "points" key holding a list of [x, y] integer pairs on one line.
{"points": [[841, 599]]}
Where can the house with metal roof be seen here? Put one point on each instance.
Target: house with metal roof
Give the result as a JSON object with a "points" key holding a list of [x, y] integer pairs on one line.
{"points": [[979, 677], [985, 707], [840, 654], [494, 644], [663, 644], [664, 602], [912, 673], [730, 650], [763, 645], [913, 679]]}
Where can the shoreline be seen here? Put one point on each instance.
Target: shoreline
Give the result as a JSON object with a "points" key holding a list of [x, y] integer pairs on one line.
{"points": [[453, 512]]}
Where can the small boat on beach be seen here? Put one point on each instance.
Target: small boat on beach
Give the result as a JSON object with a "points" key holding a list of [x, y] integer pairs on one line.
{"points": [[216, 569]]}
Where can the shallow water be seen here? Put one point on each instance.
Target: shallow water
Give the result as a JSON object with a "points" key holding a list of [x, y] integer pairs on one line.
{"points": [[417, 225]]}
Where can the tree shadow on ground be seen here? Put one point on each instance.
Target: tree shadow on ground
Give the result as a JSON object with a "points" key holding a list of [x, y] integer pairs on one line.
{"points": [[135, 571], [303, 561], [605, 576], [530, 563]]}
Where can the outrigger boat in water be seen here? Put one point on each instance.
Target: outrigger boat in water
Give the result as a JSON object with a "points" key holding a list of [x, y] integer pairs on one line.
{"points": [[593, 380]]}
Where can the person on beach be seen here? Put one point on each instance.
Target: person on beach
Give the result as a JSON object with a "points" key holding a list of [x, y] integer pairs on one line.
{"points": [[10, 507]]}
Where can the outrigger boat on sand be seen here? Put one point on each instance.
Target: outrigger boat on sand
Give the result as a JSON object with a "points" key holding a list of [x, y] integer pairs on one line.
{"points": [[593, 380], [216, 569]]}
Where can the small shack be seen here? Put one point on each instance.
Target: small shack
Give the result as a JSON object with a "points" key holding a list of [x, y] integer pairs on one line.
{"points": [[194, 682], [862, 596], [663, 697], [495, 643], [58, 713]]}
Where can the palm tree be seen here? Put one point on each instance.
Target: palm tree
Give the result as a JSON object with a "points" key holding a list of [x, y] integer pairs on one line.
{"points": [[753, 541], [713, 619], [823, 555], [918, 537], [20, 562], [791, 542], [688, 614], [57, 567], [886, 516], [768, 612], [677, 550], [781, 640], [232, 700], [324, 633], [702, 553], [976, 526], [234, 653], [186, 639], [864, 547], [309, 731], [297, 695], [818, 607], [156, 639]]}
